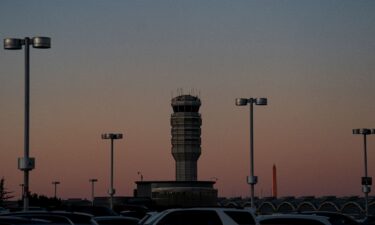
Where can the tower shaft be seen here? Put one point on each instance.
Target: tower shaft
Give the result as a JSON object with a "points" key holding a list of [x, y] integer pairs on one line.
{"points": [[186, 136]]}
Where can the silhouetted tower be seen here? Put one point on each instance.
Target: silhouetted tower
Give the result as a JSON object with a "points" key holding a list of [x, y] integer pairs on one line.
{"points": [[186, 136], [274, 182]]}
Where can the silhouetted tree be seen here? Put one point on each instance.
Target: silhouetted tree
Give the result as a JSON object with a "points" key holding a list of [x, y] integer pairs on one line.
{"points": [[4, 194], [44, 201]]}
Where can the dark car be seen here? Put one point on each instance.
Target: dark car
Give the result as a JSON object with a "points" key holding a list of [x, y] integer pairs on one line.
{"points": [[93, 210], [334, 218], [115, 220], [75, 218], [369, 220], [13, 220], [55, 219]]}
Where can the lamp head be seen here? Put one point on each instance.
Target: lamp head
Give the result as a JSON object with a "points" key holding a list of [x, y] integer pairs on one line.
{"points": [[111, 136], [241, 101], [261, 101], [12, 43], [41, 42], [363, 131]]}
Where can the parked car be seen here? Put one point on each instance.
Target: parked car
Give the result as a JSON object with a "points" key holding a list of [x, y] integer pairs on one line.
{"points": [[115, 220], [148, 217], [369, 220], [13, 220], [93, 210], [292, 219], [137, 211], [55, 219], [134, 214], [73, 218], [334, 218], [202, 216], [2, 210]]}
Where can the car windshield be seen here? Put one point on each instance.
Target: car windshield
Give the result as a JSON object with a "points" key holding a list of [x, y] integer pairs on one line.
{"points": [[150, 219], [241, 218]]}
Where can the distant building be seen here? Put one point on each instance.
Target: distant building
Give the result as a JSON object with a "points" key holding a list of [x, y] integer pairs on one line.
{"points": [[186, 191], [179, 193]]}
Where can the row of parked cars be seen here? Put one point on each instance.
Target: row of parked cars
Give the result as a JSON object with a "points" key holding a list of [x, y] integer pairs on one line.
{"points": [[230, 216], [183, 216]]}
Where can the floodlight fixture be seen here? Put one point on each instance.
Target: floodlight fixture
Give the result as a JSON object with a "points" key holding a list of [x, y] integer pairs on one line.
{"points": [[261, 101], [256, 101], [41, 42], [241, 101], [13, 43], [363, 131], [36, 42], [111, 136]]}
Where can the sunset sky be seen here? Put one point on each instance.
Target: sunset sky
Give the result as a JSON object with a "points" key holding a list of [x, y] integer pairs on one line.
{"points": [[114, 66]]}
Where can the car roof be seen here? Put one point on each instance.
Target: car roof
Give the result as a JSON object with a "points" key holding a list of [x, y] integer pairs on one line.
{"points": [[211, 208], [294, 216], [75, 217], [19, 220], [114, 218]]}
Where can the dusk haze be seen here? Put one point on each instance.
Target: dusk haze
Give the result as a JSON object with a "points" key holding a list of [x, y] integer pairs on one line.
{"points": [[114, 67]]}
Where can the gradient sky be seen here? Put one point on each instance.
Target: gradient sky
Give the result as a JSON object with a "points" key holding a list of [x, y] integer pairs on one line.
{"points": [[114, 66]]}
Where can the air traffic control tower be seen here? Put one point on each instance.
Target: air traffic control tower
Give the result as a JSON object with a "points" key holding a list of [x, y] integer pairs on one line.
{"points": [[186, 136], [186, 190]]}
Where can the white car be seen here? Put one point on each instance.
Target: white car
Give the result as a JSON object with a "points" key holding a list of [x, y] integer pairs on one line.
{"points": [[292, 219], [202, 216]]}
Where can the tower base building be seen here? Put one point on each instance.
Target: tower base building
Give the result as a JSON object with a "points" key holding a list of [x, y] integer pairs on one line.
{"points": [[178, 193]]}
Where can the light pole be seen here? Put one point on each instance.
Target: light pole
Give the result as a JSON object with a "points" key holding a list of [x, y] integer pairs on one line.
{"points": [[366, 181], [111, 190], [26, 163], [92, 189], [252, 180], [55, 183], [140, 175], [21, 185]]}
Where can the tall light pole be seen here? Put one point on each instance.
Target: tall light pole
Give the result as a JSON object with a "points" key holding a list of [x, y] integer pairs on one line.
{"points": [[21, 185], [251, 180], [55, 183], [366, 180], [111, 190], [93, 189], [26, 163], [140, 175]]}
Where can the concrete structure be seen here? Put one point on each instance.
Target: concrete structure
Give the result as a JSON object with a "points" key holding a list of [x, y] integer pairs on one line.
{"points": [[186, 136], [186, 191], [350, 205]]}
